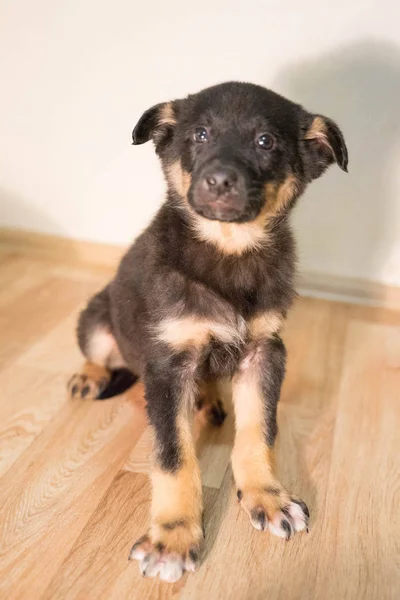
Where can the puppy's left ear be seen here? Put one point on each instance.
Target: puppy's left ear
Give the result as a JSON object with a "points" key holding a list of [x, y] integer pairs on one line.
{"points": [[155, 124], [325, 142]]}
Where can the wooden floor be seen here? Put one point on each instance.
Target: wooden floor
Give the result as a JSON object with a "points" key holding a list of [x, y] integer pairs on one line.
{"points": [[74, 492]]}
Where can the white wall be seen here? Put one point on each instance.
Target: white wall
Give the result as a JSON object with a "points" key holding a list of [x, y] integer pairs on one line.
{"points": [[75, 76]]}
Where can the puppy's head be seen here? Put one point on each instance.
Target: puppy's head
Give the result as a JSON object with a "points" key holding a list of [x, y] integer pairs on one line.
{"points": [[238, 152]]}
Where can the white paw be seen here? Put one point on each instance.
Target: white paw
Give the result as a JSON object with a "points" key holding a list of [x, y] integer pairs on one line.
{"points": [[155, 559]]}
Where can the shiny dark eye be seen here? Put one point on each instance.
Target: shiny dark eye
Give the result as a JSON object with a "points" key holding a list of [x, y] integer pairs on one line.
{"points": [[266, 141], [200, 135]]}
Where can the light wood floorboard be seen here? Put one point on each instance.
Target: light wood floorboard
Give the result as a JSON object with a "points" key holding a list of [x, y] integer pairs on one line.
{"points": [[74, 488]]}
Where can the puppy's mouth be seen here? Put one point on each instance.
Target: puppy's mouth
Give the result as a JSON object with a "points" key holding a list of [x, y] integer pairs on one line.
{"points": [[219, 193], [221, 208]]}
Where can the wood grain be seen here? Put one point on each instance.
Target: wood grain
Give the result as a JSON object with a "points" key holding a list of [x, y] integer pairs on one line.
{"points": [[74, 489]]}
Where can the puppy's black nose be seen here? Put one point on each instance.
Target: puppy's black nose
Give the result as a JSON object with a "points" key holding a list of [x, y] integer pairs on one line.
{"points": [[220, 181]]}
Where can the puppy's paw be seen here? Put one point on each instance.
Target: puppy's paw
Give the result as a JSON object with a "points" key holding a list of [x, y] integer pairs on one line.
{"points": [[84, 387], [215, 413], [210, 404], [271, 507], [174, 549]]}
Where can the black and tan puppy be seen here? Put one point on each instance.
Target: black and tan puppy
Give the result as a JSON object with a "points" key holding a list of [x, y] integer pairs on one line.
{"points": [[202, 294]]}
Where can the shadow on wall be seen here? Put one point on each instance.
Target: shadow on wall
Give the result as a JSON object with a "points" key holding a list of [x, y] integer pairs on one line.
{"points": [[12, 206], [346, 224]]}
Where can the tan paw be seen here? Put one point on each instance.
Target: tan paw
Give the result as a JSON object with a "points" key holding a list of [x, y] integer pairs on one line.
{"points": [[169, 554], [83, 387], [272, 508], [214, 412]]}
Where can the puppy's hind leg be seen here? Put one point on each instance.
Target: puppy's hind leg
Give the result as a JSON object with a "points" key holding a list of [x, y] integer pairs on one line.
{"points": [[209, 401], [104, 373]]}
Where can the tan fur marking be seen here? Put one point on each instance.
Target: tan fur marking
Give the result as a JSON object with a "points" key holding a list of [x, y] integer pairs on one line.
{"points": [[95, 372], [286, 192], [178, 178], [184, 332], [252, 459], [231, 238], [208, 395], [265, 324], [208, 392], [89, 382], [100, 346], [178, 497], [167, 115], [278, 197], [103, 349], [317, 129]]}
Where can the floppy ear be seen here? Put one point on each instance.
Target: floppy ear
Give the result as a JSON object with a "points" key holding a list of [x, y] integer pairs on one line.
{"points": [[325, 143], [156, 124]]}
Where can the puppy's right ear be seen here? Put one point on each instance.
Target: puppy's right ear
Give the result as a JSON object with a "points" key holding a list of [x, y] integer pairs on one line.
{"points": [[324, 144], [156, 124]]}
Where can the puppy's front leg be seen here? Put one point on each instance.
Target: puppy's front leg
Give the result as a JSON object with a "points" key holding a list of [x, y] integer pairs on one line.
{"points": [[256, 390], [173, 543]]}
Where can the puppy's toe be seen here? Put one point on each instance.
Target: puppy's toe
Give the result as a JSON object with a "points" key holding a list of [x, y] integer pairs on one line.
{"points": [[169, 559], [83, 387], [292, 518], [271, 507]]}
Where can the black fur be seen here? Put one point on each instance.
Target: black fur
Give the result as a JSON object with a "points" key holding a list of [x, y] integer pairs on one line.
{"points": [[164, 381], [174, 524], [96, 314], [168, 267], [273, 371], [258, 515], [121, 380]]}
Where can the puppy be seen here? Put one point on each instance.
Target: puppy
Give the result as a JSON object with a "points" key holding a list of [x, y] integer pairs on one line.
{"points": [[203, 294]]}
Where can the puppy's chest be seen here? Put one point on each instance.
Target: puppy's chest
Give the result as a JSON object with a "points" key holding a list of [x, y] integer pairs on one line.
{"points": [[228, 332], [193, 331]]}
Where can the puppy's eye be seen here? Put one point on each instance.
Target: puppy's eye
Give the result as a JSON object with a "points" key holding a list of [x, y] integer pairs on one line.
{"points": [[266, 141], [200, 135]]}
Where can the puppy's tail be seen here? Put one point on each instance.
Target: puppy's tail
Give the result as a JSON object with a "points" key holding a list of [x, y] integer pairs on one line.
{"points": [[121, 380]]}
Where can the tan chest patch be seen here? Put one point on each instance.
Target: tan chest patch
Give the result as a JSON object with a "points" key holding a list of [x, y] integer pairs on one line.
{"points": [[184, 332], [230, 238], [191, 331]]}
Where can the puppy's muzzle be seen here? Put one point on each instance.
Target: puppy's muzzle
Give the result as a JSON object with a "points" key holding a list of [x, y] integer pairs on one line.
{"points": [[219, 193]]}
